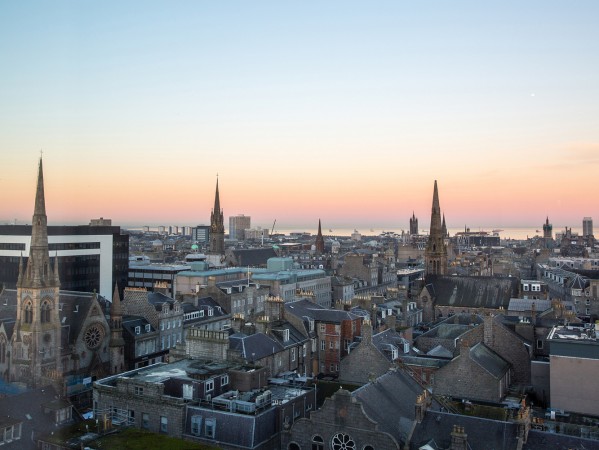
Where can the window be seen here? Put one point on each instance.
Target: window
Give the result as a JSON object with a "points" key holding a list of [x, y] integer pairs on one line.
{"points": [[162, 326], [163, 424], [293, 446], [28, 313], [131, 417], [292, 354], [196, 425], [147, 328], [145, 421], [323, 345], [322, 328], [209, 385], [331, 344], [137, 390], [317, 442], [304, 350], [342, 441], [210, 428], [539, 344], [224, 380], [337, 328], [137, 330]]}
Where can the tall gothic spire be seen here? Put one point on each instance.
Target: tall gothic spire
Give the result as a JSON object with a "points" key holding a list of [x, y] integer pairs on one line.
{"points": [[37, 273], [319, 239], [216, 199], [435, 212], [217, 226]]}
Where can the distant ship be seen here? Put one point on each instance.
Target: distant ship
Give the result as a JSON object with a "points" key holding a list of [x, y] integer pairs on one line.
{"points": [[330, 231], [497, 231]]}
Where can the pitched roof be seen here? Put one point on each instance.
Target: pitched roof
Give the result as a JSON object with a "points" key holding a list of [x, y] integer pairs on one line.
{"points": [[255, 346], [390, 400], [489, 360], [477, 292], [307, 308]]}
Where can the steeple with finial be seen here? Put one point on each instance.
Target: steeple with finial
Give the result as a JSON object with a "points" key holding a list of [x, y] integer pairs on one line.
{"points": [[217, 226], [38, 272]]}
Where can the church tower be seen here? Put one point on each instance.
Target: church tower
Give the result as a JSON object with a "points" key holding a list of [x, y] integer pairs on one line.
{"points": [[413, 224], [217, 227], [117, 343], [547, 229], [36, 338], [319, 240], [435, 255]]}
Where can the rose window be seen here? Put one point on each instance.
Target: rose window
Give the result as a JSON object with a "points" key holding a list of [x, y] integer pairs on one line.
{"points": [[93, 336], [343, 442]]}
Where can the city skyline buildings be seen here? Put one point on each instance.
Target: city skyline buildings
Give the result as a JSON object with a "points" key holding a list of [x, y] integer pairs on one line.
{"points": [[342, 111]]}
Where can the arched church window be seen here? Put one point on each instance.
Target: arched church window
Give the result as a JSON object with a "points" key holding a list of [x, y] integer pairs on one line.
{"points": [[317, 443], [46, 308], [293, 446], [28, 313], [342, 441]]}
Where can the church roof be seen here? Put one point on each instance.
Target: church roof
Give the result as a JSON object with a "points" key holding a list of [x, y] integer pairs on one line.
{"points": [[474, 292]]}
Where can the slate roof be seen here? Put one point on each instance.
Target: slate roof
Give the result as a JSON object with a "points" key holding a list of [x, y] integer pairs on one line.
{"points": [[489, 360], [255, 346], [28, 408], [490, 434], [390, 400], [130, 322], [474, 292], [307, 308], [157, 299], [388, 337], [440, 352], [447, 331], [525, 304], [295, 336]]}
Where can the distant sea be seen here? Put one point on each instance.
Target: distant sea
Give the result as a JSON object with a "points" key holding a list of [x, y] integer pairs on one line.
{"points": [[518, 233]]}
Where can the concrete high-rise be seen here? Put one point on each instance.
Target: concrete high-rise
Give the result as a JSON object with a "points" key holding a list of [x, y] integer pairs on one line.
{"points": [[587, 226], [237, 225]]}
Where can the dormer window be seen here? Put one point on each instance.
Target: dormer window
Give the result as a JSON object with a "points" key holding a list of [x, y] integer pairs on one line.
{"points": [[210, 312], [286, 335], [137, 330], [147, 328]]}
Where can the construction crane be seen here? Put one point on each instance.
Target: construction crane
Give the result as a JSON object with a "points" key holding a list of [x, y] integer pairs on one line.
{"points": [[273, 228]]}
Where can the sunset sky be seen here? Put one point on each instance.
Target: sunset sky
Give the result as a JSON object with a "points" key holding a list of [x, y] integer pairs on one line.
{"points": [[340, 110]]}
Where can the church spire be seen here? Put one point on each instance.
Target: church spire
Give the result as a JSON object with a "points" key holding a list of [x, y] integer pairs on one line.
{"points": [[444, 227], [319, 239], [217, 226], [38, 273], [216, 199]]}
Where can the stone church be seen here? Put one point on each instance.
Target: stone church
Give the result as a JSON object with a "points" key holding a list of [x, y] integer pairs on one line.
{"points": [[49, 336]]}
